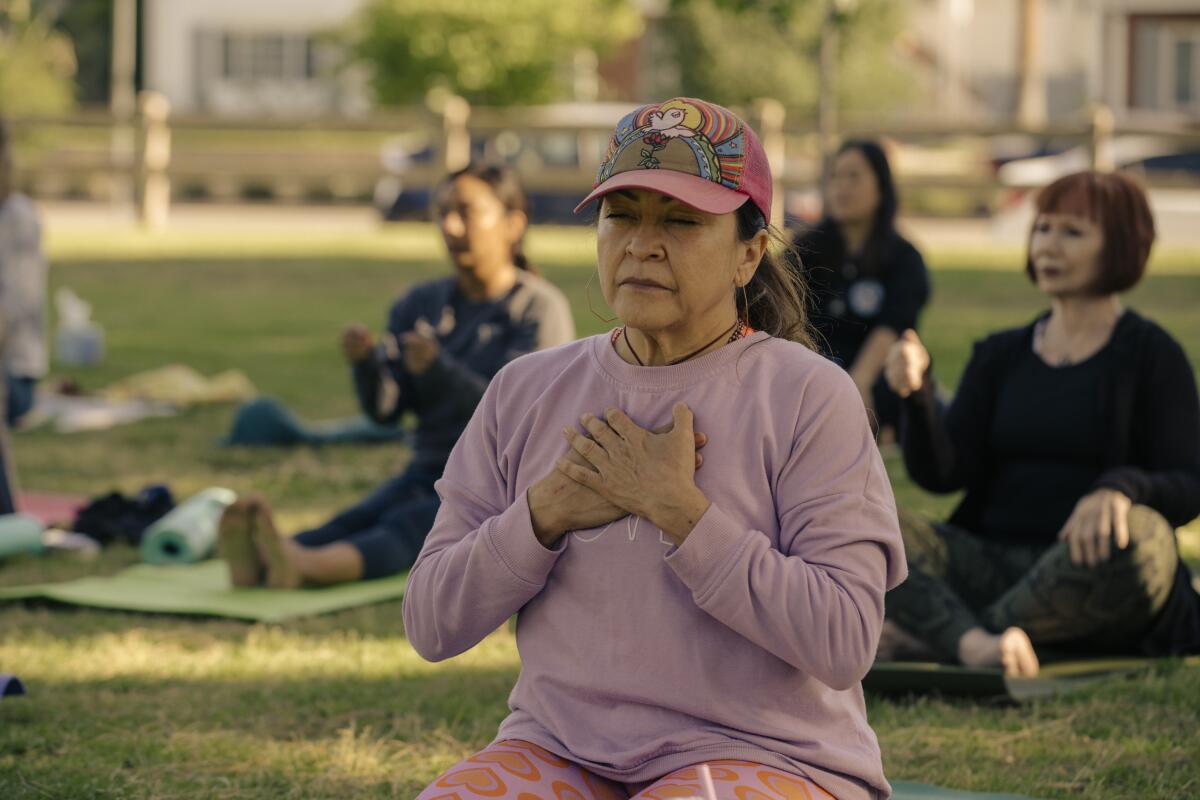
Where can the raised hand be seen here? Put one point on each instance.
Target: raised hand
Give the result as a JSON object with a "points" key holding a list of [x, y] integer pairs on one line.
{"points": [[357, 342], [906, 364]]}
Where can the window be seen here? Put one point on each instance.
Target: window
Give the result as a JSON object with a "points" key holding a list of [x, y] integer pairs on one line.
{"points": [[253, 57], [1185, 69]]}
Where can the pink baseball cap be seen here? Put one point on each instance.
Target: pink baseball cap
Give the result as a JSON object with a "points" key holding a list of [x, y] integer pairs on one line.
{"points": [[697, 152]]}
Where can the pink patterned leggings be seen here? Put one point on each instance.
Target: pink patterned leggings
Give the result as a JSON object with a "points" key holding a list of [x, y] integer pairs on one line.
{"points": [[518, 770]]}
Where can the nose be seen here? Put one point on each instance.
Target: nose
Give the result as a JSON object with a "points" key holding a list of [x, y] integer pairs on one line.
{"points": [[646, 242]]}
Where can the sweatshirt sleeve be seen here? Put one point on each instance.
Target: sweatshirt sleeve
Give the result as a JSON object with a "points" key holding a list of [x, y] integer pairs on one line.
{"points": [[1167, 478], [944, 446], [816, 601], [381, 384], [481, 561]]}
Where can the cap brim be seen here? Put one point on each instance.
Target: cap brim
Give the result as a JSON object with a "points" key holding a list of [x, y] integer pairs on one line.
{"points": [[697, 192]]}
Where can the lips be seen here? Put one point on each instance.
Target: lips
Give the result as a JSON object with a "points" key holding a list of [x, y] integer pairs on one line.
{"points": [[643, 283]]}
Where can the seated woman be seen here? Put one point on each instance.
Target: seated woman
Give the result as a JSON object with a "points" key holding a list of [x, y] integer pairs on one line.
{"points": [[669, 617], [445, 340], [1077, 439], [868, 282]]}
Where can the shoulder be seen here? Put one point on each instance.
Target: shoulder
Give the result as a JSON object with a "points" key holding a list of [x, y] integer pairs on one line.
{"points": [[434, 292], [18, 210], [541, 366], [1004, 342], [1149, 340], [536, 293], [790, 369], [904, 251]]}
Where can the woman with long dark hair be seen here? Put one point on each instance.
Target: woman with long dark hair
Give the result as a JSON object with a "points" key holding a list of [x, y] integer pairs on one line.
{"points": [[445, 340], [868, 282]]}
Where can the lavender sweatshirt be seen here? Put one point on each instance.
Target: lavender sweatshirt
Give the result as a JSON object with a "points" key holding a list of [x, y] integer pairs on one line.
{"points": [[749, 641]]}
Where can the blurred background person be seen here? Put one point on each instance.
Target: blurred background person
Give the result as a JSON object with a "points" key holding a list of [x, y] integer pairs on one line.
{"points": [[1077, 440], [868, 282], [22, 290], [445, 340]]}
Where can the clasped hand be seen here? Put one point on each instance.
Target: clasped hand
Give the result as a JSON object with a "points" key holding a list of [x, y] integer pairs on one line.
{"points": [[639, 471]]}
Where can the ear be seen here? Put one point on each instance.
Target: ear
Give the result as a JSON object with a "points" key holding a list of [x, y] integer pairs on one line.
{"points": [[750, 256]]}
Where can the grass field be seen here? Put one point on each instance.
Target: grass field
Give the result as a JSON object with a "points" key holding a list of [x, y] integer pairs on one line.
{"points": [[140, 706]]}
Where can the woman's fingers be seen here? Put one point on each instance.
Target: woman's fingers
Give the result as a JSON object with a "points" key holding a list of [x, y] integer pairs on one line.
{"points": [[1104, 533], [701, 440], [1121, 523], [699, 460], [684, 419], [592, 452], [581, 475], [600, 431], [620, 422]]}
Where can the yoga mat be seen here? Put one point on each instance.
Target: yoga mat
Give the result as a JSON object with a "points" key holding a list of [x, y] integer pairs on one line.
{"points": [[51, 508], [906, 790], [20, 533], [188, 532], [919, 677], [203, 589]]}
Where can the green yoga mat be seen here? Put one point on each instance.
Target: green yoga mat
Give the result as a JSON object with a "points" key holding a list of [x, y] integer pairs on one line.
{"points": [[918, 677], [904, 790], [203, 589], [188, 533]]}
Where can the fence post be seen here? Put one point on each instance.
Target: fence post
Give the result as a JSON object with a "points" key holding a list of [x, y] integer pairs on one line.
{"points": [[771, 115], [156, 158], [1100, 142], [457, 138]]}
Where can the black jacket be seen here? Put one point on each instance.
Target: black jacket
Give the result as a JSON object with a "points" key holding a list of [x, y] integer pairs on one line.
{"points": [[1153, 454]]}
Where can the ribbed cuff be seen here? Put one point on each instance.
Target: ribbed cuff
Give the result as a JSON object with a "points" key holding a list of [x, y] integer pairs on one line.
{"points": [[513, 541], [709, 552]]}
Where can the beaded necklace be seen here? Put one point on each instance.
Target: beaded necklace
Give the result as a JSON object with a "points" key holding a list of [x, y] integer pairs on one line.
{"points": [[739, 330]]}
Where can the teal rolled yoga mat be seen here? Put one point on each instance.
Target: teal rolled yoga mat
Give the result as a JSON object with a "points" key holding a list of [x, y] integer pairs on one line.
{"points": [[20, 533], [188, 533]]}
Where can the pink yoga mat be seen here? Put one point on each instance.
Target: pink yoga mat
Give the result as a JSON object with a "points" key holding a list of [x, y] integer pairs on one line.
{"points": [[50, 508]]}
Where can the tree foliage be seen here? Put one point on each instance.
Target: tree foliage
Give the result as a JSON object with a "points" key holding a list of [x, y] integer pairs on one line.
{"points": [[496, 53], [37, 64], [735, 51]]}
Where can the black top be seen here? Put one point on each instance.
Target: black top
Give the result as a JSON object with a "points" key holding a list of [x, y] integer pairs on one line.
{"points": [[853, 295], [1046, 438], [1149, 440], [475, 339]]}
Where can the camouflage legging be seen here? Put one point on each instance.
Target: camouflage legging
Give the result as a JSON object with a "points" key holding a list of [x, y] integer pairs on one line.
{"points": [[958, 581]]}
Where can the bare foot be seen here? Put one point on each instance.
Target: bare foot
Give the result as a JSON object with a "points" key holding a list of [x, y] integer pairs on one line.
{"points": [[897, 644], [1011, 650], [282, 572], [235, 544]]}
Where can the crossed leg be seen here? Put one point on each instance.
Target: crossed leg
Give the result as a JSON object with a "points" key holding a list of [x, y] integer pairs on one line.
{"points": [[518, 770]]}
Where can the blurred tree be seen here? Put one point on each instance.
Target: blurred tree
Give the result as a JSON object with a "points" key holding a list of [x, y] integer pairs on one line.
{"points": [[735, 51], [497, 53], [37, 63], [89, 24]]}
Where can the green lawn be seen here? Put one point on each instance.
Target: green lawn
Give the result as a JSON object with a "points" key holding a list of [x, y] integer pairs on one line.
{"points": [[140, 706]]}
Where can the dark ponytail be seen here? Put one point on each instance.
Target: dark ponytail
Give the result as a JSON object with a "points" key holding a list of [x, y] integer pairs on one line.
{"points": [[507, 187], [776, 298]]}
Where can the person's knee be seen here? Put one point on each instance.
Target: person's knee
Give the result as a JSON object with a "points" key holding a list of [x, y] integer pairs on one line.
{"points": [[1152, 552], [924, 547]]}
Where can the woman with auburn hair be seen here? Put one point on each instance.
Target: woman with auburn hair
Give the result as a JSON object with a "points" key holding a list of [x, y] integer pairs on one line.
{"points": [[670, 617], [1077, 440]]}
